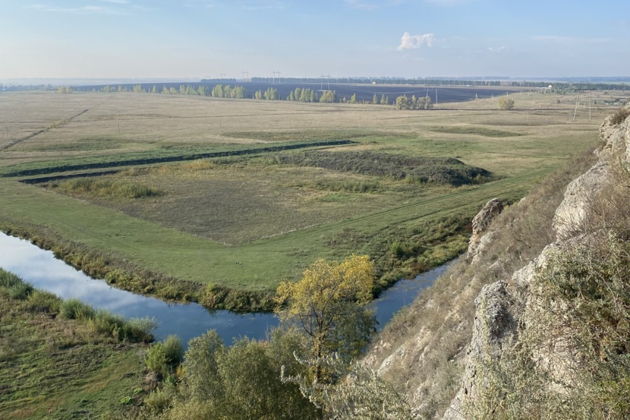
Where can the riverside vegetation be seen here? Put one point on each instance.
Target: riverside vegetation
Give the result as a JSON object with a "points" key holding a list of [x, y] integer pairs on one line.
{"points": [[207, 199], [299, 372], [62, 359]]}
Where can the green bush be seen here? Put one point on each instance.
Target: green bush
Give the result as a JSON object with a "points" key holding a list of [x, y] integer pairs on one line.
{"points": [[8, 280], [201, 366], [75, 309], [115, 326], [20, 291], [506, 103], [14, 286], [174, 350], [155, 360], [41, 301], [140, 329], [242, 381], [160, 399], [164, 357]]}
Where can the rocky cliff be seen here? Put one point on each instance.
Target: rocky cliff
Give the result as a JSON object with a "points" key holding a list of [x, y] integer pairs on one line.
{"points": [[535, 321]]}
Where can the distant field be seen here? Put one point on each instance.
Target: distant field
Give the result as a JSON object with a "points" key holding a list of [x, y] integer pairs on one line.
{"points": [[248, 221]]}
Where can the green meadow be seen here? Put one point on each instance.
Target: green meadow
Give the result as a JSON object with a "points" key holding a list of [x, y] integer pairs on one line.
{"points": [[248, 220]]}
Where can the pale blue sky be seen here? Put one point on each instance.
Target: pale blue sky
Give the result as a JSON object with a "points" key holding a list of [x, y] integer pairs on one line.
{"points": [[411, 38]]}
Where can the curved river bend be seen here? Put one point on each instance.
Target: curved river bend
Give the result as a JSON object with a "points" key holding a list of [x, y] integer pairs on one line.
{"points": [[41, 269]]}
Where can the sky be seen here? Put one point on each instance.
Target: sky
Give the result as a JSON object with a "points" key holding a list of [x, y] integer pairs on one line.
{"points": [[192, 39]]}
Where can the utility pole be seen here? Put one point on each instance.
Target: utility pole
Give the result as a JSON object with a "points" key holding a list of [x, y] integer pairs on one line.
{"points": [[577, 102]]}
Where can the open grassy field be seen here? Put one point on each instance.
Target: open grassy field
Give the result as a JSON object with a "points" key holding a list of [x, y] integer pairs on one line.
{"points": [[248, 221]]}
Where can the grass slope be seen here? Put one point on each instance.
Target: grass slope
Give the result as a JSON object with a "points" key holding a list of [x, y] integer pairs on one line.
{"points": [[54, 368]]}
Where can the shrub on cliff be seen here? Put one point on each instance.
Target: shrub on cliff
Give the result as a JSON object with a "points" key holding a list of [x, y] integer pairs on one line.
{"points": [[620, 116]]}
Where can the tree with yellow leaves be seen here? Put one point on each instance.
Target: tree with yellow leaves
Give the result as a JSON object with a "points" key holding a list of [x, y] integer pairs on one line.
{"points": [[329, 304]]}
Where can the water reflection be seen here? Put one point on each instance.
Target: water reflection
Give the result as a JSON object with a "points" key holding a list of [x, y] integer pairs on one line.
{"points": [[41, 269], [403, 293]]}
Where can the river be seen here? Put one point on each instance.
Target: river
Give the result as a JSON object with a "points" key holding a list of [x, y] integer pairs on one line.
{"points": [[43, 271]]}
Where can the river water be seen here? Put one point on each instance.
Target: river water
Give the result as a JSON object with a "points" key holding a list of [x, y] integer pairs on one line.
{"points": [[41, 269]]}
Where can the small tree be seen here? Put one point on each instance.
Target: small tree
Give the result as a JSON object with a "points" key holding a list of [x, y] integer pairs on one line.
{"points": [[329, 305], [328, 96], [402, 102], [271, 94], [201, 367], [506, 103], [242, 381], [217, 91]]}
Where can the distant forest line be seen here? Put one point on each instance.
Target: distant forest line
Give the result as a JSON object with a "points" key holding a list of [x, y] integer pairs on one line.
{"points": [[305, 92]]}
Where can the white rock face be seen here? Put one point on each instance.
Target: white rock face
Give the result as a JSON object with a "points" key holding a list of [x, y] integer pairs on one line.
{"points": [[501, 311], [480, 224], [572, 213]]}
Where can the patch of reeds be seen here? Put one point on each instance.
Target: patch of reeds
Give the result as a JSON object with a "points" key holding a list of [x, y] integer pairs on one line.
{"points": [[106, 188], [100, 322]]}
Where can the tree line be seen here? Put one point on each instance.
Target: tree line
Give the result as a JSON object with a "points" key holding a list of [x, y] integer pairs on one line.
{"points": [[239, 92], [306, 95]]}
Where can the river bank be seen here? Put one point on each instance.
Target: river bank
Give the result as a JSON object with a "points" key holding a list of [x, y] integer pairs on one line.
{"points": [[123, 274], [44, 270]]}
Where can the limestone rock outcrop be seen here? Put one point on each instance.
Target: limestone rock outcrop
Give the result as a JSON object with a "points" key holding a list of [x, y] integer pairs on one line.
{"points": [[418, 352], [504, 312], [480, 223]]}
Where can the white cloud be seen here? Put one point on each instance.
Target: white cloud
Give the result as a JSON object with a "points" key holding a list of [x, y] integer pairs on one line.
{"points": [[410, 42], [496, 49]]}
